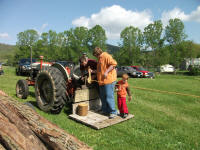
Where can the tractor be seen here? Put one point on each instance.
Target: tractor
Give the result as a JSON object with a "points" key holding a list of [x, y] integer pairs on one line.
{"points": [[56, 85]]}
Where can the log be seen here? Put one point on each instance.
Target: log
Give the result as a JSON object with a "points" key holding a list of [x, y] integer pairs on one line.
{"points": [[22, 128]]}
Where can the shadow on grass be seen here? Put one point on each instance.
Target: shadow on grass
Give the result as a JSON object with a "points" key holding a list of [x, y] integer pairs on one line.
{"points": [[34, 103], [32, 94], [68, 109]]}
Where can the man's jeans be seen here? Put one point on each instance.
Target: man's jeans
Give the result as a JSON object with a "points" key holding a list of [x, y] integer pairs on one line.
{"points": [[106, 93]]}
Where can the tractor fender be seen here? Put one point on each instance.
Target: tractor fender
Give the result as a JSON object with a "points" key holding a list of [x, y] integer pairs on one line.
{"points": [[62, 70]]}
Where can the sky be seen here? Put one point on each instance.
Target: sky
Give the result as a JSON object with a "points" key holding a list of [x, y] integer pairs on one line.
{"points": [[113, 15]]}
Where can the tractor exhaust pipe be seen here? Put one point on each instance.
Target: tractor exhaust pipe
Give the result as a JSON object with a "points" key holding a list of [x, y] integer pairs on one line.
{"points": [[41, 61]]}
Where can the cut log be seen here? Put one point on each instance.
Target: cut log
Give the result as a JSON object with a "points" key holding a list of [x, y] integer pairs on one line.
{"points": [[21, 128]]}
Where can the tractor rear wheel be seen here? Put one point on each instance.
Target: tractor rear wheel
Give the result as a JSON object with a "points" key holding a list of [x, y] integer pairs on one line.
{"points": [[22, 89], [50, 90]]}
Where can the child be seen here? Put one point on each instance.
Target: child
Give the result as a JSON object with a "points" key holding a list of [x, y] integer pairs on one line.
{"points": [[122, 89]]}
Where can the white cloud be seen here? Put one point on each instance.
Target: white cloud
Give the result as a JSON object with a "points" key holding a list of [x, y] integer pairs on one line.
{"points": [[114, 19], [4, 36], [195, 15], [178, 13], [175, 13], [82, 21], [42, 28]]}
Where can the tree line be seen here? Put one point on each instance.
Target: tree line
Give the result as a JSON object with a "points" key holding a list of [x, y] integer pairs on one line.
{"points": [[153, 47]]}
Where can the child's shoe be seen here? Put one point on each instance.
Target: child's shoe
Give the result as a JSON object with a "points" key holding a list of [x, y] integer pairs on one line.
{"points": [[125, 115], [121, 115]]}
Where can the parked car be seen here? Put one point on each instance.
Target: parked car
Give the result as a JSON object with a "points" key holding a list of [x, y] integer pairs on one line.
{"points": [[128, 70], [166, 68], [145, 73], [69, 64], [1, 69], [24, 66]]}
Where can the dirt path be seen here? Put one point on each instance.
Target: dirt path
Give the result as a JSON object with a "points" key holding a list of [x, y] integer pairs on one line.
{"points": [[3, 93]]}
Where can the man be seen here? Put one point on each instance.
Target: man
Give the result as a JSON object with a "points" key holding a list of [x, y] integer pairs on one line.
{"points": [[106, 76], [86, 64]]}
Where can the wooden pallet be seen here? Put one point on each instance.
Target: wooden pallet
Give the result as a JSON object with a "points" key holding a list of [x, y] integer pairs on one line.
{"points": [[97, 120]]}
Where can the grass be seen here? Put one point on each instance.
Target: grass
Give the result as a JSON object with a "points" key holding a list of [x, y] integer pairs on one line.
{"points": [[162, 121]]}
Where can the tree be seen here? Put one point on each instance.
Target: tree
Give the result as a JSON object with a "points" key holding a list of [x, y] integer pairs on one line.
{"points": [[97, 37], [174, 34], [25, 42], [130, 49], [76, 42], [152, 36], [51, 45]]}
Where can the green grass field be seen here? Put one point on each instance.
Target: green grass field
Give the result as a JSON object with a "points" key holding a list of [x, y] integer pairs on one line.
{"points": [[162, 121]]}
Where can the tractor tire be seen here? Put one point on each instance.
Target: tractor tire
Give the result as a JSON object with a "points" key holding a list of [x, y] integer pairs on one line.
{"points": [[50, 90], [76, 72], [22, 89]]}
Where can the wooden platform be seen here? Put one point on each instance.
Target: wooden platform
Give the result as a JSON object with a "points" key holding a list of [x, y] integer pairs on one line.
{"points": [[98, 121]]}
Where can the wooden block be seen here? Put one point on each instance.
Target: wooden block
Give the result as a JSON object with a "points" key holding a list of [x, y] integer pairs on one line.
{"points": [[82, 109], [75, 106], [94, 104], [85, 94]]}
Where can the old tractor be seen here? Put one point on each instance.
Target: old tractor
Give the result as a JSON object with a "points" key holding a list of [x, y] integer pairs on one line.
{"points": [[56, 85]]}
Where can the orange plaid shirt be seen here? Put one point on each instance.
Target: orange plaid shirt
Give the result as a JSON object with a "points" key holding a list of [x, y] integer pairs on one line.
{"points": [[104, 61]]}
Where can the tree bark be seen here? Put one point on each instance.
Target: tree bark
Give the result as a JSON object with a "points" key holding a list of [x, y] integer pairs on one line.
{"points": [[21, 128]]}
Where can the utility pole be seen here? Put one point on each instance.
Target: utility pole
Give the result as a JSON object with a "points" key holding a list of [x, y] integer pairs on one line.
{"points": [[31, 61], [131, 59]]}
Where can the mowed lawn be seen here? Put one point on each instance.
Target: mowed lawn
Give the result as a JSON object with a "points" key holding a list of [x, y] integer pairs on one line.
{"points": [[162, 121]]}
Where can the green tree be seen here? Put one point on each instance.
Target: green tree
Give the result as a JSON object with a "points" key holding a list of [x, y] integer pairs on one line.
{"points": [[152, 36], [197, 49], [25, 42], [52, 45], [76, 42], [130, 49], [97, 37], [174, 34], [42, 46]]}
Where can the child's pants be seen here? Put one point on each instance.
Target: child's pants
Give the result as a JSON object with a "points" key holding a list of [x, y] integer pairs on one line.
{"points": [[121, 102]]}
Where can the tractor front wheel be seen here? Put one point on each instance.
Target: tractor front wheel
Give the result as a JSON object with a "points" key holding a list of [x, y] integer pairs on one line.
{"points": [[50, 90], [22, 89]]}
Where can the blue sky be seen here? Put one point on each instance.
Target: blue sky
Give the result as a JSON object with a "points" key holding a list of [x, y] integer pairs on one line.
{"points": [[113, 15]]}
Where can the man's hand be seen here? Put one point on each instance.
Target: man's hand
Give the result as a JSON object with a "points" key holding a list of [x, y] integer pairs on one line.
{"points": [[89, 69], [105, 75], [108, 70], [130, 98]]}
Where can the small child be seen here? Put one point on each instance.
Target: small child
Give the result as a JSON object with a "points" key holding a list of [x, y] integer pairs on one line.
{"points": [[122, 89]]}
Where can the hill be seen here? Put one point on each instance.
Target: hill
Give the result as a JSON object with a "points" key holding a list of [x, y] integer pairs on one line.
{"points": [[6, 51], [112, 49]]}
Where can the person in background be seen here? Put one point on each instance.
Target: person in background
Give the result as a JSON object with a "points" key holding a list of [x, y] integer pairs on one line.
{"points": [[122, 89], [106, 76], [84, 54]]}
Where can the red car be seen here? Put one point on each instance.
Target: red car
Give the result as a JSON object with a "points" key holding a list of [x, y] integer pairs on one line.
{"points": [[145, 73]]}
